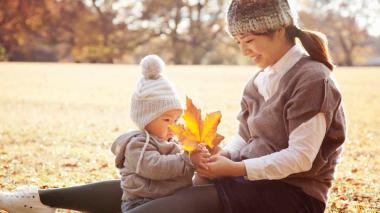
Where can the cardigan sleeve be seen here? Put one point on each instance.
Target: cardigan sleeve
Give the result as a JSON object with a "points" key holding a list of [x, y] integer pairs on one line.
{"points": [[157, 166], [311, 98], [304, 144]]}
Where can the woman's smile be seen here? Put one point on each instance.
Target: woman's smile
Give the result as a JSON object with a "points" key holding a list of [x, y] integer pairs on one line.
{"points": [[255, 58]]}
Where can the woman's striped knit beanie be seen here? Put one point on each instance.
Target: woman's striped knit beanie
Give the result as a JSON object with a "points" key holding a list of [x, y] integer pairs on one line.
{"points": [[258, 16]]}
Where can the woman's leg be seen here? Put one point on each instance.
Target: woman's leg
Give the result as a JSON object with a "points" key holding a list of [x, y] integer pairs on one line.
{"points": [[190, 200], [102, 196], [272, 196]]}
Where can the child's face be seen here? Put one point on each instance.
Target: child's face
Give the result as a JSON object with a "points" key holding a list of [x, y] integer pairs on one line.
{"points": [[160, 126]]}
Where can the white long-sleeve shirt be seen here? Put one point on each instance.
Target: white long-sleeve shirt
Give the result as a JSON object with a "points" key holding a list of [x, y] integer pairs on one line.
{"points": [[304, 141]]}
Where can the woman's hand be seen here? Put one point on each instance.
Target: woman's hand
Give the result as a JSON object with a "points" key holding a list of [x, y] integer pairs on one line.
{"points": [[220, 166]]}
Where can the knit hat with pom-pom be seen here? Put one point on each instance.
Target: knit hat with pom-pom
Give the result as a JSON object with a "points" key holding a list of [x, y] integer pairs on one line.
{"points": [[154, 94]]}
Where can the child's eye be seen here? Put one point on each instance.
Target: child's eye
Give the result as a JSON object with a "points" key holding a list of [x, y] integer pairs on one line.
{"points": [[167, 120], [249, 41]]}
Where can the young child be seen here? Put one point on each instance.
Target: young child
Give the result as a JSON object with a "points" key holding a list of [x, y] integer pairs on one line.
{"points": [[151, 164]]}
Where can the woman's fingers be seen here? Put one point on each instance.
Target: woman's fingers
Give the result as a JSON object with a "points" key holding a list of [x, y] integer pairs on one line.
{"points": [[206, 155], [203, 162], [213, 158], [207, 172], [203, 165]]}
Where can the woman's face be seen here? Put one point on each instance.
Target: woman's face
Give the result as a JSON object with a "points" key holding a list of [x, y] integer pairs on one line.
{"points": [[265, 50]]}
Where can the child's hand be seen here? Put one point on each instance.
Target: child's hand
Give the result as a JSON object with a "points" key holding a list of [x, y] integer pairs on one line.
{"points": [[203, 148], [200, 156]]}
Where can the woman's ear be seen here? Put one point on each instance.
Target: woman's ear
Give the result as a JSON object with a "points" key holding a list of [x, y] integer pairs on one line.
{"points": [[281, 32]]}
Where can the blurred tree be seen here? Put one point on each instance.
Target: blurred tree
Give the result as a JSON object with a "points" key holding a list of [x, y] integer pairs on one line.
{"points": [[182, 31], [92, 31], [21, 24], [192, 29], [349, 42], [206, 27]]}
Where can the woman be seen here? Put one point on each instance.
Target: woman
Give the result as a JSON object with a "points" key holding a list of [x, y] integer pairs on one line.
{"points": [[292, 127]]}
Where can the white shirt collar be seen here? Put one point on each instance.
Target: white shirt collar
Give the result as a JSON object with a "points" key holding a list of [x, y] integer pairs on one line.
{"points": [[288, 60], [268, 80]]}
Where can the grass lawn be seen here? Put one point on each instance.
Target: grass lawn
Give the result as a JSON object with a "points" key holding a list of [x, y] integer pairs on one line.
{"points": [[57, 122]]}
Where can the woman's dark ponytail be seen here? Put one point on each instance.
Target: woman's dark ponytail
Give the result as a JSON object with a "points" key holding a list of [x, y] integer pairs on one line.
{"points": [[315, 43]]}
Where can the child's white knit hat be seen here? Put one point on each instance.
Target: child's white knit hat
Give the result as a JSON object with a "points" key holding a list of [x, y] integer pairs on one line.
{"points": [[154, 94]]}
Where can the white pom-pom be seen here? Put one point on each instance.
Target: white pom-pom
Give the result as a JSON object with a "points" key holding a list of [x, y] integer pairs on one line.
{"points": [[152, 66]]}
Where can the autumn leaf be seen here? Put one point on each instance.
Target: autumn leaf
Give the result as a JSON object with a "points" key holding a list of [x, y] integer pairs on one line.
{"points": [[193, 119], [218, 138], [196, 130], [209, 127], [185, 137]]}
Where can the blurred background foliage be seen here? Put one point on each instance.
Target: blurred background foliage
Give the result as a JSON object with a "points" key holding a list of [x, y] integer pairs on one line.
{"points": [[181, 31]]}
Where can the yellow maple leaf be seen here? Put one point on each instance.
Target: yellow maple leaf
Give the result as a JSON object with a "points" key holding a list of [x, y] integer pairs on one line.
{"points": [[187, 139], [193, 119], [209, 127], [196, 130]]}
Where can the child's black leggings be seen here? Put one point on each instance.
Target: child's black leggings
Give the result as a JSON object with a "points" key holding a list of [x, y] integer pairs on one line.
{"points": [[100, 197], [105, 196], [269, 196]]}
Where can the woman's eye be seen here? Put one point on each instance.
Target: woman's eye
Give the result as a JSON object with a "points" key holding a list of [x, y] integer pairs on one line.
{"points": [[249, 41], [167, 120]]}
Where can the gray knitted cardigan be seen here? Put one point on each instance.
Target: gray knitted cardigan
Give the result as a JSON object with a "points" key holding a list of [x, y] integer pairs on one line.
{"points": [[150, 167], [304, 91]]}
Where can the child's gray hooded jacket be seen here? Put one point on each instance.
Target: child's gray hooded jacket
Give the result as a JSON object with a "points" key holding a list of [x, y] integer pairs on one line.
{"points": [[150, 167]]}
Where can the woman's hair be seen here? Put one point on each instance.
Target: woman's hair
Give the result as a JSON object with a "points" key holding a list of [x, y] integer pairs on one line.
{"points": [[315, 43]]}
